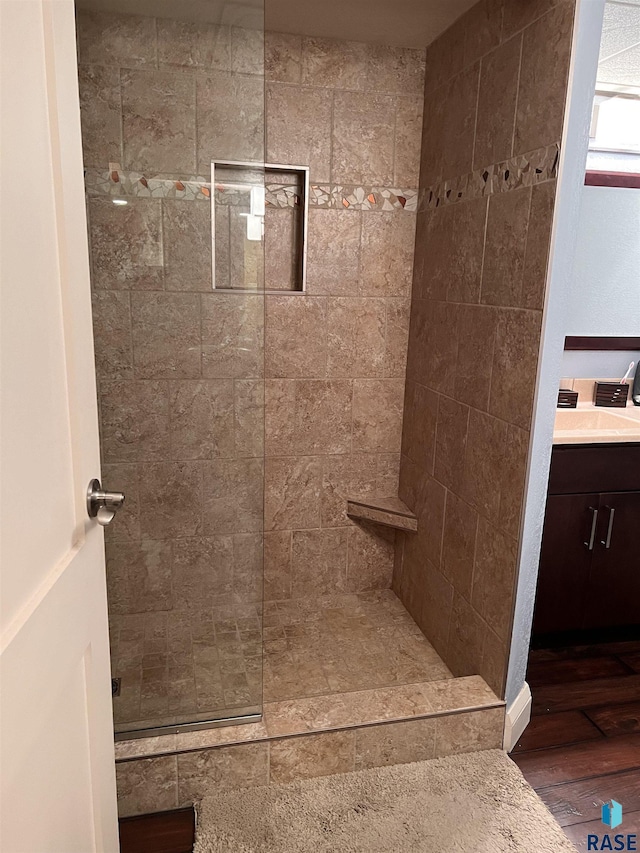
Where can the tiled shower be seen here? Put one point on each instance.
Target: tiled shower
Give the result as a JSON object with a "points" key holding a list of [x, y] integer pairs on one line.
{"points": [[238, 423]]}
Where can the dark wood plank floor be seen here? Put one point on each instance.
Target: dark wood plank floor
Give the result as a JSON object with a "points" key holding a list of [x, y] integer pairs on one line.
{"points": [[582, 747], [162, 832]]}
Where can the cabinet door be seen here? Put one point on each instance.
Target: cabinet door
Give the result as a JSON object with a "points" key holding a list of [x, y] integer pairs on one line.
{"points": [[568, 543], [614, 581]]}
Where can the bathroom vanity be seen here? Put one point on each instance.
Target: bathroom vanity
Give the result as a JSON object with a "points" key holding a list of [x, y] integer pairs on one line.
{"points": [[589, 575]]}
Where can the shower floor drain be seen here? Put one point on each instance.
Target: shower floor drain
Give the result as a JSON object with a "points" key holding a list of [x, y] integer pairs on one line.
{"points": [[115, 686]]}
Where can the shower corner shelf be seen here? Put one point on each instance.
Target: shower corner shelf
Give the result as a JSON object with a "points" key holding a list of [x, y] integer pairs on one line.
{"points": [[388, 510]]}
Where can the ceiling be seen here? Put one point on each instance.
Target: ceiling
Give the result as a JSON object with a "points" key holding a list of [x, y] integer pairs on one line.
{"points": [[409, 23], [619, 63]]}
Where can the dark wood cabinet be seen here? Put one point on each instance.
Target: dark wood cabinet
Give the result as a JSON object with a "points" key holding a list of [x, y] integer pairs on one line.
{"points": [[589, 575]]}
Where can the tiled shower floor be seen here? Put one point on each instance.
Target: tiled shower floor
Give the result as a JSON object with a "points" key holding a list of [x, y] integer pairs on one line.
{"points": [[178, 666]]}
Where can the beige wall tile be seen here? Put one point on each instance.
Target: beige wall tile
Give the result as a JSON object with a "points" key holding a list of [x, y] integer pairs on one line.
{"points": [[139, 576], [448, 127], [495, 660], [120, 40], [408, 139], [395, 70], [112, 334], [233, 490], [420, 419], [147, 785], [513, 477], [193, 44], [546, 51], [467, 631], [283, 57], [344, 476], [534, 278], [319, 562], [201, 773], [436, 605], [451, 441], [358, 337], [459, 543], [166, 335], [100, 115], [470, 732], [126, 245], [362, 139], [395, 743], [248, 575], [482, 29], [231, 118], [170, 499], [477, 326], [277, 564], [377, 414], [522, 13], [280, 408], [486, 446], [515, 360], [292, 492], [397, 337], [248, 417], [463, 266], [314, 755], [427, 543], [497, 104], [333, 260], [202, 571], [334, 64], [290, 107], [445, 56], [386, 263], [494, 577], [134, 421], [281, 250], [323, 416], [505, 247], [442, 346], [247, 51], [186, 231], [296, 337], [201, 414], [158, 121], [370, 557], [232, 335]]}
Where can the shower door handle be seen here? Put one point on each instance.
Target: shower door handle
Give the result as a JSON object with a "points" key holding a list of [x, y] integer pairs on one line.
{"points": [[103, 505]]}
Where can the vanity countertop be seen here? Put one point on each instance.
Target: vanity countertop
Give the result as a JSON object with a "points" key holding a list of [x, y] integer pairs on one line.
{"points": [[589, 424]]}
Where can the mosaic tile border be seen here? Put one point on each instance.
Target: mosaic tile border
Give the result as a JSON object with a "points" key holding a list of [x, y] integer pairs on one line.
{"points": [[118, 183], [524, 170]]}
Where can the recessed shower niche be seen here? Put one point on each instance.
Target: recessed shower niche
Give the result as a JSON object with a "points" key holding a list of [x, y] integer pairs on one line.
{"points": [[252, 205]]}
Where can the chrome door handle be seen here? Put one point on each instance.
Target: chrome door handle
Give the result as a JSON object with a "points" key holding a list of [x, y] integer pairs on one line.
{"points": [[103, 505], [594, 523], [607, 542]]}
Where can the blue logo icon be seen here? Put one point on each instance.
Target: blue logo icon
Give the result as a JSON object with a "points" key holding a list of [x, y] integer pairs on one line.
{"points": [[612, 814]]}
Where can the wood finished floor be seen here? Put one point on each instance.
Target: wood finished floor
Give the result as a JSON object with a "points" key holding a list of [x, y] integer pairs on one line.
{"points": [[162, 832], [582, 747]]}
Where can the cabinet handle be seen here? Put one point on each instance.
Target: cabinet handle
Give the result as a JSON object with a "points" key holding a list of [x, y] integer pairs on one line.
{"points": [[607, 542], [594, 524]]}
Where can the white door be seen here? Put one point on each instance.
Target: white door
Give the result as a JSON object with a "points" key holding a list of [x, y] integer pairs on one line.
{"points": [[56, 763]]}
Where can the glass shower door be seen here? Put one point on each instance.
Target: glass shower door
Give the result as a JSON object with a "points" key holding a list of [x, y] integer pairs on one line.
{"points": [[179, 363]]}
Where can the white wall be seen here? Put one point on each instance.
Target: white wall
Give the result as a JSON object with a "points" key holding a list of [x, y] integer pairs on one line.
{"points": [[604, 292], [604, 289]]}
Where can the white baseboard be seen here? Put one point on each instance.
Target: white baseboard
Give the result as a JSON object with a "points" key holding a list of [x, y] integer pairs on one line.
{"points": [[517, 718]]}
